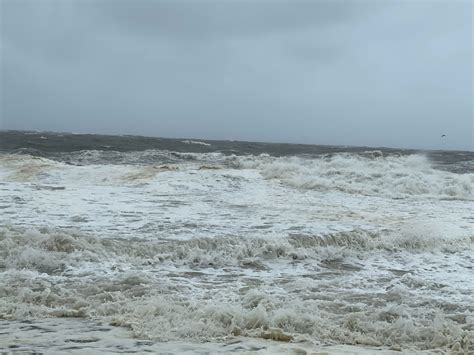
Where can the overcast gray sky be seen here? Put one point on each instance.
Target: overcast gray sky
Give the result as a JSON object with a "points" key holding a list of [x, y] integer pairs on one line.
{"points": [[375, 73]]}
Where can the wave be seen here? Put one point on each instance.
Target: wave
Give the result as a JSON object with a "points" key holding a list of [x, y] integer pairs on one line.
{"points": [[200, 289], [376, 175], [20, 245], [369, 173], [52, 250], [25, 167], [196, 142]]}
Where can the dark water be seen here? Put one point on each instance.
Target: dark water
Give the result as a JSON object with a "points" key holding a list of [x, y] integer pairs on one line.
{"points": [[57, 146]]}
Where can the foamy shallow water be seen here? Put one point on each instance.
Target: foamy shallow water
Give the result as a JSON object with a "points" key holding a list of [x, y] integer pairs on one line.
{"points": [[213, 253], [80, 336]]}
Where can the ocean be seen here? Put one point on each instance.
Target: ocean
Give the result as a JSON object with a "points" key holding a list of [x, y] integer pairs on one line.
{"points": [[128, 244]]}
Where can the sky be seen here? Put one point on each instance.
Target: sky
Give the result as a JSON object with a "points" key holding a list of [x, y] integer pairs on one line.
{"points": [[365, 73]]}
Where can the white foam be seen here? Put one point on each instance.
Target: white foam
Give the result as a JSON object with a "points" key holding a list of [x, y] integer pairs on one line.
{"points": [[196, 142], [180, 253], [208, 289], [391, 176]]}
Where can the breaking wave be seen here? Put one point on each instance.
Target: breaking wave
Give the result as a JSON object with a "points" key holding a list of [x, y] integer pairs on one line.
{"points": [[372, 174], [378, 175], [196, 142], [324, 245], [55, 272]]}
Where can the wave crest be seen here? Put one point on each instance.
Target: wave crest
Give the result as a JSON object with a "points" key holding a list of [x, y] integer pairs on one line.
{"points": [[389, 176], [62, 273]]}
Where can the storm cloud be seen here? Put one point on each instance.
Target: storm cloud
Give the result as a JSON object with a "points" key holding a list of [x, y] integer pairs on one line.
{"points": [[324, 72]]}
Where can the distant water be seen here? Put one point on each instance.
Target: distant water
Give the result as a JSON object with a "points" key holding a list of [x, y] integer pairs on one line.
{"points": [[127, 243]]}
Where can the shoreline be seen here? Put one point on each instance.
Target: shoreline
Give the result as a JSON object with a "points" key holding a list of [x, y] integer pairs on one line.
{"points": [[83, 336]]}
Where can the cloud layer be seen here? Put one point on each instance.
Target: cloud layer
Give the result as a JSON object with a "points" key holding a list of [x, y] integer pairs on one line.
{"points": [[323, 72]]}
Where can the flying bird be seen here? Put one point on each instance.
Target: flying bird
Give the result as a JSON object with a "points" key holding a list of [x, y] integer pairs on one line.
{"points": [[443, 135]]}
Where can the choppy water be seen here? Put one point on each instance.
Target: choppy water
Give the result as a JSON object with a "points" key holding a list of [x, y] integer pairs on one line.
{"points": [[144, 244]]}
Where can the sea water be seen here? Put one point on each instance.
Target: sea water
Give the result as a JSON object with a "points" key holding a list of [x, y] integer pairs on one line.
{"points": [[134, 244]]}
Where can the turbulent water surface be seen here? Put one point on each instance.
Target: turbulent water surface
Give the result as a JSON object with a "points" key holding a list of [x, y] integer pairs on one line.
{"points": [[126, 244]]}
